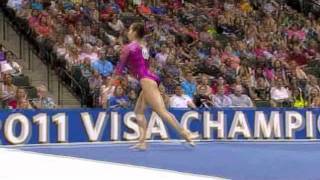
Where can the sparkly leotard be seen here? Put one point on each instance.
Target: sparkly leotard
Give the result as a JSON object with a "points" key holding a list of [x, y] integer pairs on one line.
{"points": [[133, 58]]}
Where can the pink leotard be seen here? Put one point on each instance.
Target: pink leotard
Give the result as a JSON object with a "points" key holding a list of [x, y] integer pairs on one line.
{"points": [[132, 58]]}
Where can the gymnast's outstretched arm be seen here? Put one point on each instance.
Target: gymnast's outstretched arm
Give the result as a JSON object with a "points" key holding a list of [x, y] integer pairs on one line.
{"points": [[124, 56]]}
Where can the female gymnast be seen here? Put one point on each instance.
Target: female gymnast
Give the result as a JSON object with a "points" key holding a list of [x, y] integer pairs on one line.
{"points": [[134, 56]]}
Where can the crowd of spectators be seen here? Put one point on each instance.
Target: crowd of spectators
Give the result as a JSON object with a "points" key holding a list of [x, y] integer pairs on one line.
{"points": [[15, 94], [208, 53]]}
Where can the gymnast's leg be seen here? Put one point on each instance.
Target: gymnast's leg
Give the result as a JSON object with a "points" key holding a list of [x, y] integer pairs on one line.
{"points": [[153, 98], [142, 122]]}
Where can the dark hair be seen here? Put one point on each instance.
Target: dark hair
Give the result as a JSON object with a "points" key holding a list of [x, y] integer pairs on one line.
{"points": [[139, 29], [178, 86], [8, 52]]}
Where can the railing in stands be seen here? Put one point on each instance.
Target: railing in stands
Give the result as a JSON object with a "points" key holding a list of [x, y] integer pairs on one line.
{"points": [[32, 51], [315, 6], [306, 6], [83, 93]]}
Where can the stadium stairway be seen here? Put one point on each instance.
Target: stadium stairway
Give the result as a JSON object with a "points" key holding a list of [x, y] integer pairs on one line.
{"points": [[35, 69]]}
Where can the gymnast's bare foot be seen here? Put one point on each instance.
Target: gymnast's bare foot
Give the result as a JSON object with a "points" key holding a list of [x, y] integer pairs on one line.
{"points": [[188, 138], [139, 146]]}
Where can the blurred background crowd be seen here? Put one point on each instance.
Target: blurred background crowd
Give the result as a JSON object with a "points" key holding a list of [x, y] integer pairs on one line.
{"points": [[208, 53]]}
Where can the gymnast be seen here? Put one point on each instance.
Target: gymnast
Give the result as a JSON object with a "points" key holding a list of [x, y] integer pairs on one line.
{"points": [[134, 57]]}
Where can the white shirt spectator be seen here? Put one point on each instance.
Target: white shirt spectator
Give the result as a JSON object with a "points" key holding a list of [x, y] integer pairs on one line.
{"points": [[136, 2], [16, 68], [72, 60], [180, 101], [118, 26], [145, 52], [111, 38], [15, 4], [68, 40], [228, 6], [241, 101], [61, 51], [5, 67], [92, 56], [88, 38], [269, 7], [221, 101], [161, 58], [279, 94]]}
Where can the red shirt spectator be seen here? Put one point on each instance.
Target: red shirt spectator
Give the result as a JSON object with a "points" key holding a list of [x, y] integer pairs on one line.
{"points": [[12, 104], [221, 82], [175, 4], [106, 14], [230, 60], [298, 56], [34, 18], [43, 28], [297, 34], [192, 33], [144, 9], [121, 3]]}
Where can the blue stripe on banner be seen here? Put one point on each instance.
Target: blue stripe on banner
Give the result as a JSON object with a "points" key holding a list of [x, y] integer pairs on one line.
{"points": [[95, 125]]}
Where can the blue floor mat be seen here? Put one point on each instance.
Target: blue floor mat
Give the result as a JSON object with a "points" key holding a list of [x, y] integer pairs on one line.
{"points": [[239, 161]]}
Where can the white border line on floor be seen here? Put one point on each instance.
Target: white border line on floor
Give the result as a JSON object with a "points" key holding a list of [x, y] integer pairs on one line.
{"points": [[17, 165]]}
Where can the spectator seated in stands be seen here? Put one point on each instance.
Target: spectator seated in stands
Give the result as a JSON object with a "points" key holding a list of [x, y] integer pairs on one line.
{"points": [[88, 38], [5, 67], [205, 83], [239, 99], [85, 67], [261, 89], [7, 90], [280, 95], [164, 95], [159, 10], [220, 99], [16, 68], [59, 48], [243, 40], [23, 104], [180, 100], [106, 91], [88, 51], [298, 99], [106, 14], [314, 98], [312, 83], [15, 4], [116, 25], [121, 3], [34, 18], [23, 10], [20, 100], [72, 57], [95, 81], [115, 6], [43, 28], [43, 101], [189, 85], [103, 66], [201, 99], [162, 55], [169, 84], [132, 96], [143, 9], [119, 99], [221, 82]]}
